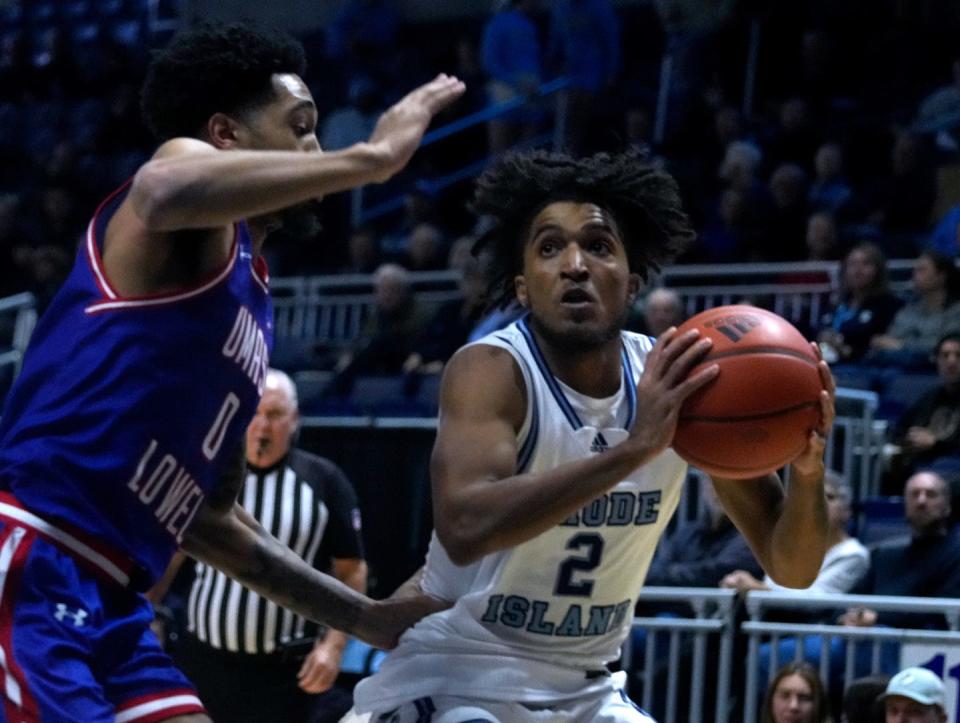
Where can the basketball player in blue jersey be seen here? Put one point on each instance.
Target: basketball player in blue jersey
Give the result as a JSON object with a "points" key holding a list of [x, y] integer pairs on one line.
{"points": [[121, 439], [552, 472]]}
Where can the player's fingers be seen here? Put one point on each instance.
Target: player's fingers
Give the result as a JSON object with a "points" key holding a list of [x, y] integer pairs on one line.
{"points": [[680, 367], [677, 345], [826, 377], [697, 381]]}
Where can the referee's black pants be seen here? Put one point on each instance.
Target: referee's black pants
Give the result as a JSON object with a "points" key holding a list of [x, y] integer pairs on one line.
{"points": [[245, 688]]}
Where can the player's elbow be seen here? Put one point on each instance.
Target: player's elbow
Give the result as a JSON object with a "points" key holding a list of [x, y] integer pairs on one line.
{"points": [[795, 577], [462, 547]]}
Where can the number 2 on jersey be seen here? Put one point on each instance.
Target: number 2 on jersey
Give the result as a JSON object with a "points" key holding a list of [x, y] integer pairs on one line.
{"points": [[591, 544]]}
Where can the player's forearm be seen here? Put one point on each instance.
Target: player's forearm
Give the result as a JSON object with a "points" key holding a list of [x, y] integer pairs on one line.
{"points": [[215, 189], [260, 562], [486, 516], [799, 537]]}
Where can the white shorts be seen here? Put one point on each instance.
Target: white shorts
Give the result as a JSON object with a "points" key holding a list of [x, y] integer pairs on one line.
{"points": [[612, 707]]}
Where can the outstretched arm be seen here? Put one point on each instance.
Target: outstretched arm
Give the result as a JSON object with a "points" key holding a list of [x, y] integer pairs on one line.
{"points": [[480, 504], [787, 531], [189, 184], [226, 536]]}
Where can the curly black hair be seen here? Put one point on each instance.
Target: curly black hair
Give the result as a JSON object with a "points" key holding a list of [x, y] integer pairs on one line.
{"points": [[214, 68], [644, 201]]}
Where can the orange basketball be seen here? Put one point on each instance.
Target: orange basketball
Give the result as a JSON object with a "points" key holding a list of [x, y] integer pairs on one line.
{"points": [[757, 414]]}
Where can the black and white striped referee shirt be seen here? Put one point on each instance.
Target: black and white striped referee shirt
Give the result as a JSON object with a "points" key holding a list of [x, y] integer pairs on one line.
{"points": [[307, 503]]}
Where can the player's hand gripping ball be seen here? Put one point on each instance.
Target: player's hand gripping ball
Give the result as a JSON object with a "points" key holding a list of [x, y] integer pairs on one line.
{"points": [[758, 413]]}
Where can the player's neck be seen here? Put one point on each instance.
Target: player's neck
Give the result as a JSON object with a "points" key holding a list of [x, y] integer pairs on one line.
{"points": [[595, 372]]}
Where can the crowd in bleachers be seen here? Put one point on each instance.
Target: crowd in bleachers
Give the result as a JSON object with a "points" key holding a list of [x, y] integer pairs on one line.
{"points": [[848, 150]]}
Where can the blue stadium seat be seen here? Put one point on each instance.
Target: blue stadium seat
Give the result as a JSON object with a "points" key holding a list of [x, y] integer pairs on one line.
{"points": [[311, 388], [384, 396], [428, 394], [903, 390]]}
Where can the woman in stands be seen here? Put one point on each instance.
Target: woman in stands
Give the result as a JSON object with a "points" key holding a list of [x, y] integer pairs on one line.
{"points": [[795, 695], [867, 307]]}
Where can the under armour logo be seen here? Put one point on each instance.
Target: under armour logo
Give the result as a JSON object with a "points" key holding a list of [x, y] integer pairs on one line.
{"points": [[77, 616], [599, 444], [734, 327]]}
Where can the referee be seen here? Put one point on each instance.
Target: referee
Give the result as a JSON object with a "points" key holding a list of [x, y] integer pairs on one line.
{"points": [[251, 660]]}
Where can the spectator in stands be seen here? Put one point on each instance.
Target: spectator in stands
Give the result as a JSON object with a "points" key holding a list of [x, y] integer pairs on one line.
{"points": [[659, 310], [822, 237], [728, 234], [795, 695], [426, 250], [915, 695], [451, 324], [916, 328], [939, 112], [901, 202], [740, 166], [419, 206], [795, 139], [845, 562], [584, 45], [926, 564], [701, 553], [866, 309], [927, 435], [860, 699], [363, 35], [830, 190], [786, 228], [363, 251], [387, 339], [945, 238], [510, 53]]}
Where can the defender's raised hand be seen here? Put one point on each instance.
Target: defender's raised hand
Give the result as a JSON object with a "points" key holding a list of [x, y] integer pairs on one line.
{"points": [[400, 129]]}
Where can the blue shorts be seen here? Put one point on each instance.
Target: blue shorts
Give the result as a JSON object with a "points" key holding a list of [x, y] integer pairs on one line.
{"points": [[74, 644]]}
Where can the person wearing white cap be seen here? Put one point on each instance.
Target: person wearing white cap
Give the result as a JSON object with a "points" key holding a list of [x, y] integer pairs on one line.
{"points": [[914, 695]]}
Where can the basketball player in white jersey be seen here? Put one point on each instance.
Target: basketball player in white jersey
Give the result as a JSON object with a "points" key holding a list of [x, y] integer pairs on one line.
{"points": [[552, 472]]}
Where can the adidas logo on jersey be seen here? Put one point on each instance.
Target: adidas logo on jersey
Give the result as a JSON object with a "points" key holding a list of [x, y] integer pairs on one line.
{"points": [[599, 444]]}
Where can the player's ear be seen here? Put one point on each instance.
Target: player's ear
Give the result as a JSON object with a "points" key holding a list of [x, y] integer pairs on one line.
{"points": [[520, 287], [224, 132], [634, 284]]}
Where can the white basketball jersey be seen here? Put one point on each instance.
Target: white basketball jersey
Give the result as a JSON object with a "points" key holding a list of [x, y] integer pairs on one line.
{"points": [[538, 622]]}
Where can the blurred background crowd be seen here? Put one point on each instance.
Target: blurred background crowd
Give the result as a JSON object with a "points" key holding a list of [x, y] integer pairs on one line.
{"points": [[816, 131]]}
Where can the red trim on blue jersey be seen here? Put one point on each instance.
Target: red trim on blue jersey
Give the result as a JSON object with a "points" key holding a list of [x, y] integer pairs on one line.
{"points": [[261, 273], [28, 711], [116, 300], [118, 559], [154, 709], [93, 249]]}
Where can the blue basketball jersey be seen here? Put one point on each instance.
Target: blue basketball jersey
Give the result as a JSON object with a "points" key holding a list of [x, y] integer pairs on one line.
{"points": [[127, 408]]}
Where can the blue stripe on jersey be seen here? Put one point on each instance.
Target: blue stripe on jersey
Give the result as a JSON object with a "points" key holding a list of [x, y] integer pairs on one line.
{"points": [[630, 386], [562, 401], [123, 417], [530, 443], [425, 709]]}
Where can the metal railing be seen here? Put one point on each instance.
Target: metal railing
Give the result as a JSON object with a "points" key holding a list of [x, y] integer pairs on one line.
{"points": [[18, 317], [759, 603], [713, 613], [333, 308]]}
